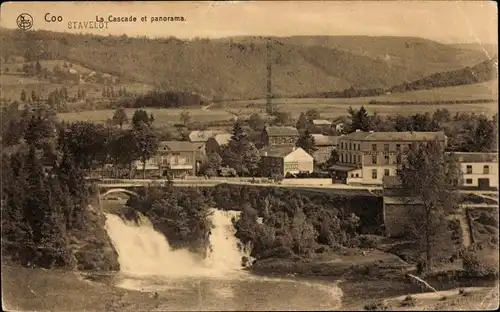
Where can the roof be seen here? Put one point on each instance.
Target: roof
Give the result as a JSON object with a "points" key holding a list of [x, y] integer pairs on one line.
{"points": [[177, 146], [201, 135], [395, 136], [199, 145], [321, 122], [222, 138], [277, 151], [322, 140], [282, 131], [476, 157]]}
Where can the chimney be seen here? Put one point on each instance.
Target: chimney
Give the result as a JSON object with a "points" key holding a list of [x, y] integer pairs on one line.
{"points": [[358, 130], [265, 153], [294, 148]]}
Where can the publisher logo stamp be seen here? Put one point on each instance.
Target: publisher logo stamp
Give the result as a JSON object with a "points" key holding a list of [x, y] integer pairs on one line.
{"points": [[24, 21]]}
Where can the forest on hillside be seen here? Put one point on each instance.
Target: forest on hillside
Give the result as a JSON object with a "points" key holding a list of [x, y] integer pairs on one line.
{"points": [[232, 69]]}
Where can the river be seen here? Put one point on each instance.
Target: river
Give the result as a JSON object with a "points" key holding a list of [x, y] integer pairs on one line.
{"points": [[182, 281]]}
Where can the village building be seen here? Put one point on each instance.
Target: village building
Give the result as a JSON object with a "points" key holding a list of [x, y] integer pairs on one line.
{"points": [[199, 138], [285, 159], [366, 157], [177, 156], [338, 126], [325, 145], [272, 135], [215, 143], [480, 170]]}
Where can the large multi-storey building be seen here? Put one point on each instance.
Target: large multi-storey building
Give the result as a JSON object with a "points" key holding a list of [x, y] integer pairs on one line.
{"points": [[366, 157]]}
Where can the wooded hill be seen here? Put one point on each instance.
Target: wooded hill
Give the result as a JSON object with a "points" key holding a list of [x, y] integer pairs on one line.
{"points": [[484, 71], [235, 68]]}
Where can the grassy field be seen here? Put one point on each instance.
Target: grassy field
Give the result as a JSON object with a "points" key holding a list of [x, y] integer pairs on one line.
{"points": [[162, 116], [331, 108], [171, 116]]}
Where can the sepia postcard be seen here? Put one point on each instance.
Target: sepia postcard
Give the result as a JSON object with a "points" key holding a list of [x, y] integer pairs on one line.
{"points": [[249, 155]]}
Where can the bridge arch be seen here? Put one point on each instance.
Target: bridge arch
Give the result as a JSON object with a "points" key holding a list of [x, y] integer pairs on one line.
{"points": [[118, 190]]}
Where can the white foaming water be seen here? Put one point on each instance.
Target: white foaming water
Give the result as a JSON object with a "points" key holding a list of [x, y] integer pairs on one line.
{"points": [[184, 281], [225, 254], [142, 251]]}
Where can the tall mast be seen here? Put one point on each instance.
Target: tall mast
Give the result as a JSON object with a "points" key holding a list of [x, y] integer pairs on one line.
{"points": [[269, 95]]}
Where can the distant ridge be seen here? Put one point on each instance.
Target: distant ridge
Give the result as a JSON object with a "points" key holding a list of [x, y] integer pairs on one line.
{"points": [[235, 68]]}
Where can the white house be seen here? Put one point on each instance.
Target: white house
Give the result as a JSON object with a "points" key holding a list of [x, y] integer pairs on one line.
{"points": [[480, 170], [285, 159]]}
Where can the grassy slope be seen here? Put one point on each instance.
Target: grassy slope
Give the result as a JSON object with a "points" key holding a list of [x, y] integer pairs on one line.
{"points": [[329, 108], [238, 70]]}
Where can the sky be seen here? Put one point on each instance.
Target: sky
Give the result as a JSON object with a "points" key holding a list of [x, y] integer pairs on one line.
{"points": [[443, 21]]}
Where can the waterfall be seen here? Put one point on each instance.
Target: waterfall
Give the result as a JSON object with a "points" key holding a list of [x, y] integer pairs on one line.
{"points": [[144, 251]]}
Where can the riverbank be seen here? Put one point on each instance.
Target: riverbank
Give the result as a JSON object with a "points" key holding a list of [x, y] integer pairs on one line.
{"points": [[367, 277], [50, 290]]}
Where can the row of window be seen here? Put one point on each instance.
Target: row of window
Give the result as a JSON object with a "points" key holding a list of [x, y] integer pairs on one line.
{"points": [[350, 146], [291, 166], [356, 159], [486, 169], [350, 158], [387, 173], [175, 160], [357, 146], [282, 140]]}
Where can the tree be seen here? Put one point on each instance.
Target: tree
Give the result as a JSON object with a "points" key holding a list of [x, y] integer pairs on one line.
{"points": [[140, 116], [333, 159], [147, 144], [256, 122], [359, 119], [251, 159], [120, 117], [38, 68], [185, 117], [87, 142], [39, 132], [281, 118], [312, 114], [307, 143], [240, 154], [431, 178], [23, 96], [33, 96], [212, 164], [124, 141], [302, 122]]}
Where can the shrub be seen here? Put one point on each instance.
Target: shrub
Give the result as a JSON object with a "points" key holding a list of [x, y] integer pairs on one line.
{"points": [[377, 306], [480, 263], [368, 241], [409, 301], [279, 252]]}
